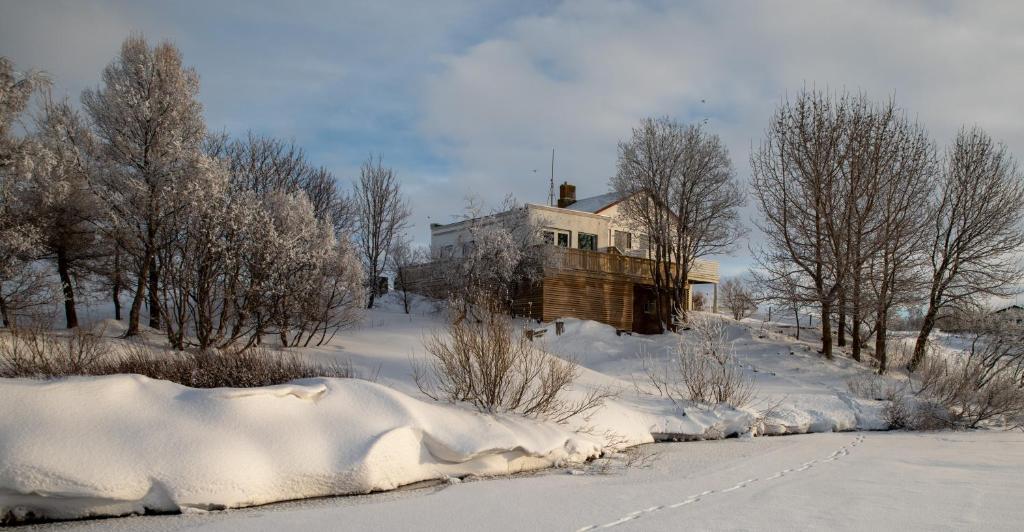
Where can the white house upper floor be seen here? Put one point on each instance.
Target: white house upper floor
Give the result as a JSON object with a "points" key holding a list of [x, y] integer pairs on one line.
{"points": [[591, 223]]}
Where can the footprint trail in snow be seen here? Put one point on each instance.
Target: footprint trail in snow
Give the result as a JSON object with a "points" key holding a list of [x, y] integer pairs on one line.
{"points": [[841, 452]]}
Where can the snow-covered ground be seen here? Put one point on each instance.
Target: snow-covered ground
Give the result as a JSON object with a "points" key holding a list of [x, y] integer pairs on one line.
{"points": [[121, 444], [845, 481]]}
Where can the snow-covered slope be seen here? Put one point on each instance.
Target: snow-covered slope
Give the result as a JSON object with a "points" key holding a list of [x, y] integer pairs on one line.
{"points": [[121, 444]]}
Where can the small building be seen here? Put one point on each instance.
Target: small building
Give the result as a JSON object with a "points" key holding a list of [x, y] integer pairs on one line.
{"points": [[598, 269], [1012, 314]]}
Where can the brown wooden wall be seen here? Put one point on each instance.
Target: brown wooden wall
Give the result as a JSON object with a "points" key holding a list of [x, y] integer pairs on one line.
{"points": [[578, 296]]}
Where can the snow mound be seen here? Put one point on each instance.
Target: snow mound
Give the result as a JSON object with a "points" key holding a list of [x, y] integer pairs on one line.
{"points": [[93, 446]]}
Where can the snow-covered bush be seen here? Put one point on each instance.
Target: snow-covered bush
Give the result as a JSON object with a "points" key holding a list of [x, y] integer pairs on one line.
{"points": [[494, 366], [704, 368]]}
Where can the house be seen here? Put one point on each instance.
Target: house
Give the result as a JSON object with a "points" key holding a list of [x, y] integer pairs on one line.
{"points": [[598, 270], [1012, 314]]}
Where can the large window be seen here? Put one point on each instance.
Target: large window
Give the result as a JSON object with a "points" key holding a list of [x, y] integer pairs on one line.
{"points": [[587, 241], [623, 240], [549, 238], [563, 240], [557, 237]]}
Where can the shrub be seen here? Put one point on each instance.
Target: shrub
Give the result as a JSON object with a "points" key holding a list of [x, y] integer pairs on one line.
{"points": [[491, 364], [33, 352], [704, 368], [38, 354], [970, 391]]}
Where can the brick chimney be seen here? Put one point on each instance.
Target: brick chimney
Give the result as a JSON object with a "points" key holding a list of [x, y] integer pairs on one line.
{"points": [[566, 194]]}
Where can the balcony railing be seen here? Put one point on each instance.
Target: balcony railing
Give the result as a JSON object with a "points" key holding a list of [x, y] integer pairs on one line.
{"points": [[429, 278], [568, 259]]}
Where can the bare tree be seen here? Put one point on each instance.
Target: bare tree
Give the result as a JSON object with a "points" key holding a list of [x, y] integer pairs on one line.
{"points": [[738, 298], [802, 196], [784, 284], [381, 216], [150, 126], [681, 190], [895, 270], [404, 256], [975, 229]]}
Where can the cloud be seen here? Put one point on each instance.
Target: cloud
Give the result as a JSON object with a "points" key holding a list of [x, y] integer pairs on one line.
{"points": [[469, 98], [580, 77]]}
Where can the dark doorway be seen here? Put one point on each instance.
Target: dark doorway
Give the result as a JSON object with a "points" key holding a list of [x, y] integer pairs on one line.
{"points": [[645, 313]]}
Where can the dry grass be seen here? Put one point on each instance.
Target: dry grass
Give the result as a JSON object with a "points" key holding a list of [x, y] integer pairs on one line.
{"points": [[35, 353]]}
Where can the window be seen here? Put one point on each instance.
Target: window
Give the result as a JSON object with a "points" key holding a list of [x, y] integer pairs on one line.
{"points": [[623, 240], [643, 242], [563, 240], [447, 251], [587, 241], [549, 237]]}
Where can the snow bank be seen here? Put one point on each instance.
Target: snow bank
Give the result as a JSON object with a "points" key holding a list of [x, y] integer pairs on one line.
{"points": [[122, 444], [126, 444]]}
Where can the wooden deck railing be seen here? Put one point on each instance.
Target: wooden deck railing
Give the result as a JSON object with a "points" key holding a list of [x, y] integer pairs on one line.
{"points": [[428, 276], [568, 259]]}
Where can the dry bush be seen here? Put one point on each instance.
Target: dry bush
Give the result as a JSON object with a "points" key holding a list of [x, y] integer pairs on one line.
{"points": [[703, 369], [34, 352], [874, 387], [969, 392], [38, 354], [490, 363]]}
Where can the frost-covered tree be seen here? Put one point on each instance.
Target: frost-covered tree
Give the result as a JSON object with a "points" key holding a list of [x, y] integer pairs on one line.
{"points": [[381, 215], [497, 254], [21, 285], [56, 197], [150, 128]]}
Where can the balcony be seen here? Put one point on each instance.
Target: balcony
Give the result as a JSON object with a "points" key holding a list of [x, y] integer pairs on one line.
{"points": [[615, 265]]}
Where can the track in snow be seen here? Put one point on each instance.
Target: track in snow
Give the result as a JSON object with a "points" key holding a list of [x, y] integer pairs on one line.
{"points": [[841, 452]]}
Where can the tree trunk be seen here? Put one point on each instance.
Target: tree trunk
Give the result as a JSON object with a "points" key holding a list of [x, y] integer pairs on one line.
{"points": [[115, 285], [3, 312], [63, 270], [855, 324], [140, 293], [927, 324], [826, 330], [841, 321], [796, 314], [154, 294], [880, 347]]}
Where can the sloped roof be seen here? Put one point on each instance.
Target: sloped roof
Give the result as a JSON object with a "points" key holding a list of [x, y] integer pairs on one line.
{"points": [[595, 204]]}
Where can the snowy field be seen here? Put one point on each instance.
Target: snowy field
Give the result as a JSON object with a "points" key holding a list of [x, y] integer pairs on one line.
{"points": [[127, 444], [845, 481]]}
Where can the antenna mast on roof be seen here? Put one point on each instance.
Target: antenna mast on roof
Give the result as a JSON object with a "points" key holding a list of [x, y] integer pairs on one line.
{"points": [[551, 187]]}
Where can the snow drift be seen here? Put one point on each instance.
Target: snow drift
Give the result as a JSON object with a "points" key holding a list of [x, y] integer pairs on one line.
{"points": [[100, 446], [123, 444]]}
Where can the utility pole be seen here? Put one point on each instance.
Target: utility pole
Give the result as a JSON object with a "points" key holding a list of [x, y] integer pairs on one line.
{"points": [[551, 186]]}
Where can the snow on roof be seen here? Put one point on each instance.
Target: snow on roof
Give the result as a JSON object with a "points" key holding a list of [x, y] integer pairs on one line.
{"points": [[595, 204]]}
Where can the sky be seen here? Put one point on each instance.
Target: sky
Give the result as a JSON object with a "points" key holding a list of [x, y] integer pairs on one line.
{"points": [[467, 99]]}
